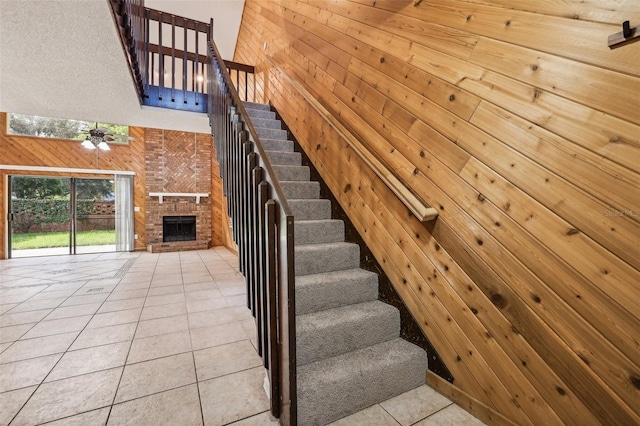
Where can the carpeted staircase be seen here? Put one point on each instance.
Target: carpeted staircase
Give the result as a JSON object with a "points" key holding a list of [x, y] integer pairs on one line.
{"points": [[349, 352]]}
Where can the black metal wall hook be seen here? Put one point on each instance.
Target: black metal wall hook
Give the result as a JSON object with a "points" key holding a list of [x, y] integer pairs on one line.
{"points": [[627, 34], [626, 29]]}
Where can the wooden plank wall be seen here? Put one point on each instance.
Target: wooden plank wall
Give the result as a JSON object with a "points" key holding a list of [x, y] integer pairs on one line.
{"points": [[33, 151], [523, 129]]}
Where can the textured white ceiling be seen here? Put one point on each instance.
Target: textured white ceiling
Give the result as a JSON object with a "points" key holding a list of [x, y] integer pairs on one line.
{"points": [[64, 59]]}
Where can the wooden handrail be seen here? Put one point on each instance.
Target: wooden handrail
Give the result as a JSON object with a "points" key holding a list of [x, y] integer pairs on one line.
{"points": [[418, 207]]}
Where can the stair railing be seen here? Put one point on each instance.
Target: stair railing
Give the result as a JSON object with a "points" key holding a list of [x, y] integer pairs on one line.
{"points": [[263, 231]]}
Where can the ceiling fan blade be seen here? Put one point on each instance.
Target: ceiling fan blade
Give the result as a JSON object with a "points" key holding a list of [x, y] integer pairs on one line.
{"points": [[102, 129]]}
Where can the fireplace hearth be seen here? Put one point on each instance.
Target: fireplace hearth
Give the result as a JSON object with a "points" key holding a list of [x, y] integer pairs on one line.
{"points": [[178, 228]]}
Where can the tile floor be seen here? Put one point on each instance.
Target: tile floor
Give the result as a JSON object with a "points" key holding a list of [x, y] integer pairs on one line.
{"points": [[147, 339]]}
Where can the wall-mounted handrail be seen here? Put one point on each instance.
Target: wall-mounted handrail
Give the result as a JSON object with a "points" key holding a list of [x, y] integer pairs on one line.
{"points": [[263, 230], [418, 207]]}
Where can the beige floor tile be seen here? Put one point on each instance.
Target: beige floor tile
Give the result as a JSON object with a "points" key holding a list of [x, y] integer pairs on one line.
{"points": [[94, 418], [415, 405], [157, 375], [204, 295], [55, 400], [200, 278], [4, 346], [170, 289], [94, 289], [205, 305], [115, 318], [9, 319], [452, 415], [262, 419], [159, 326], [73, 311], [374, 415], [12, 401], [7, 307], [53, 294], [159, 346], [216, 335], [234, 290], [132, 285], [250, 328], [58, 326], [90, 360], [217, 316], [239, 300], [104, 336], [179, 406], [14, 332], [121, 305], [188, 288], [30, 305], [225, 359], [21, 374], [164, 299], [41, 346], [128, 294], [161, 311], [233, 397], [161, 279], [88, 298]]}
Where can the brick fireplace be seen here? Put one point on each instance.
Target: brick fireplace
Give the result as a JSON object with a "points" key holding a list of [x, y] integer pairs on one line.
{"points": [[177, 162]]}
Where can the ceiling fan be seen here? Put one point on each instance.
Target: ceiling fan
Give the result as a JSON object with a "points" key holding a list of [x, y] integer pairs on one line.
{"points": [[99, 136]]}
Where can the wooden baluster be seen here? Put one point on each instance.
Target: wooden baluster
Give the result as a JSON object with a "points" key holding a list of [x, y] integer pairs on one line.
{"points": [[184, 64], [160, 57], [271, 304], [173, 58]]}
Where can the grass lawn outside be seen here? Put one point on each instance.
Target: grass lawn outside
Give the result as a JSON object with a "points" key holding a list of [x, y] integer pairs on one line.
{"points": [[61, 239]]}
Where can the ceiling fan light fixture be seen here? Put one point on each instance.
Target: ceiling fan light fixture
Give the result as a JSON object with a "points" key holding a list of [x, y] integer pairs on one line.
{"points": [[104, 146], [88, 144]]}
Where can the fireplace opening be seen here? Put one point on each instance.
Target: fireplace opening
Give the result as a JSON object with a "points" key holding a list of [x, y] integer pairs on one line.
{"points": [[178, 228]]}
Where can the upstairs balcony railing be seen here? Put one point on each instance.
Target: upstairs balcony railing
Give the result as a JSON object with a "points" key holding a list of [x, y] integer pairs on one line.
{"points": [[167, 55]]}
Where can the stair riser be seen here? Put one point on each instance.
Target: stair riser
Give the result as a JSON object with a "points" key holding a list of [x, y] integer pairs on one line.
{"points": [[285, 158], [257, 113], [261, 123], [253, 105], [292, 173], [271, 133], [301, 190], [311, 209], [277, 145], [318, 232], [313, 297], [318, 261], [345, 333]]}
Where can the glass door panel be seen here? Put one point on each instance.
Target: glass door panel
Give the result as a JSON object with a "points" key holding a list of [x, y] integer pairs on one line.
{"points": [[40, 212], [95, 217]]}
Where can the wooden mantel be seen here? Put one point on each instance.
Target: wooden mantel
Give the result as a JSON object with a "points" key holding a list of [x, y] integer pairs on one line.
{"points": [[161, 195]]}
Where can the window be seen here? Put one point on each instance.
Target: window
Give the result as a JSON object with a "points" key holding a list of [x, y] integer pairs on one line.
{"points": [[59, 128]]}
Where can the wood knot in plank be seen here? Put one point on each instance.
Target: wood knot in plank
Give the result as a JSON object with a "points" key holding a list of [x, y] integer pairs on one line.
{"points": [[498, 300]]}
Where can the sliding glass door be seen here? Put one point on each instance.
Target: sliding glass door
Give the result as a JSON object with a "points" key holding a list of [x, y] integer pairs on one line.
{"points": [[51, 216], [39, 216]]}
